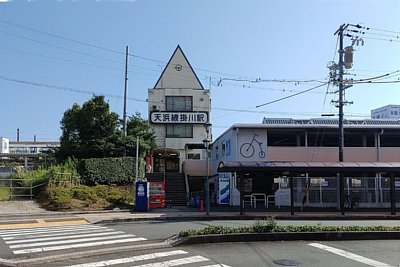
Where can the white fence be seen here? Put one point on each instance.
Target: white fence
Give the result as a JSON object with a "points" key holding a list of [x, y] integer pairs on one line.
{"points": [[372, 192]]}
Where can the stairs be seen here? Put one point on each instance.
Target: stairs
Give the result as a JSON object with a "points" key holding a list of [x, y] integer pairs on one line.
{"points": [[175, 188]]}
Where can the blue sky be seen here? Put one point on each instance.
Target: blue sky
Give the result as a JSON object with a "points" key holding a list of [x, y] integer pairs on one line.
{"points": [[57, 53]]}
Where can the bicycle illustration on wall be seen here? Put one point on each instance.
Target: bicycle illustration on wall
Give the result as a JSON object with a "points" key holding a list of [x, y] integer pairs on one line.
{"points": [[247, 149]]}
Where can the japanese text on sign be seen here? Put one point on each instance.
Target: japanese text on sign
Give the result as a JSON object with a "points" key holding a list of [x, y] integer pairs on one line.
{"points": [[179, 117]]}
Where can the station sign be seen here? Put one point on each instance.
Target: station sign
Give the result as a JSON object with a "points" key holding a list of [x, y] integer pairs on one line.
{"points": [[168, 117]]}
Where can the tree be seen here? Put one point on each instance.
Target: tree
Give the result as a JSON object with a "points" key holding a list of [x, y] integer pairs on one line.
{"points": [[138, 127], [90, 131], [93, 131]]}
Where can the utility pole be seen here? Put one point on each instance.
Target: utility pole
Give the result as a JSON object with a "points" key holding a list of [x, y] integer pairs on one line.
{"points": [[340, 103], [126, 91], [340, 106]]}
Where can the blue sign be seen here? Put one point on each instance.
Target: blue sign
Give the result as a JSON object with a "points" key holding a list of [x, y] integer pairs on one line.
{"points": [[142, 196], [224, 188]]}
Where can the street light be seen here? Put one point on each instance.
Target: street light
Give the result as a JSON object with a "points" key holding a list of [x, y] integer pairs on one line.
{"points": [[206, 143]]}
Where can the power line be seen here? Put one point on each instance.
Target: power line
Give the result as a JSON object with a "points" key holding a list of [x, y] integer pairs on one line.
{"points": [[59, 47], [64, 88], [60, 37], [296, 94]]}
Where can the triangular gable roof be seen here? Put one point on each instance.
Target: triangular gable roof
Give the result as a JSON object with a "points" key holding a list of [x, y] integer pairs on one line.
{"points": [[178, 73]]}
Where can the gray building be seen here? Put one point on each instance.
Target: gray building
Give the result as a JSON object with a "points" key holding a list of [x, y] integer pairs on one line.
{"points": [[386, 112]]}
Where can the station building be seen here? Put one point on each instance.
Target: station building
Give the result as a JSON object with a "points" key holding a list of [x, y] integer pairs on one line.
{"points": [[179, 115], [309, 141]]}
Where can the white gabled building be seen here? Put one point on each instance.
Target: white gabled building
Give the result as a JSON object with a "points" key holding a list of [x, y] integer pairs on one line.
{"points": [[179, 107]]}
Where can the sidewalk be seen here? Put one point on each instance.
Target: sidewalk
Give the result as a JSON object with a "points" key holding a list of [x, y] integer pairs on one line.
{"points": [[216, 213]]}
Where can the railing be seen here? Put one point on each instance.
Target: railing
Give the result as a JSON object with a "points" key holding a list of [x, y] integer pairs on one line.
{"points": [[16, 189], [324, 191]]}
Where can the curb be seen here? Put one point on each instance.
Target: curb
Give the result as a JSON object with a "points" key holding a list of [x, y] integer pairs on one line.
{"points": [[293, 236], [250, 217]]}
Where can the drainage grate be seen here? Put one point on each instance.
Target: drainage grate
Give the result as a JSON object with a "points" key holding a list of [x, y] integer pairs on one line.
{"points": [[287, 262]]}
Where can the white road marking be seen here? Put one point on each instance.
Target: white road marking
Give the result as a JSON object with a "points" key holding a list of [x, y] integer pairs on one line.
{"points": [[43, 231], [66, 232], [58, 242], [177, 262], [53, 237], [38, 229], [350, 255], [131, 259], [217, 265], [83, 245]]}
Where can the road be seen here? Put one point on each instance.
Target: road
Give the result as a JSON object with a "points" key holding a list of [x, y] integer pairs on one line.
{"points": [[62, 242]]}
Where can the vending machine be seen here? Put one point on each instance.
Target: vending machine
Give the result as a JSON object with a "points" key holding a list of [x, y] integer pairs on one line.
{"points": [[157, 195]]}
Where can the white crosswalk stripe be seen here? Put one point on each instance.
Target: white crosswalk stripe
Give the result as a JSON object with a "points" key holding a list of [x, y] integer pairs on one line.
{"points": [[34, 240], [154, 256]]}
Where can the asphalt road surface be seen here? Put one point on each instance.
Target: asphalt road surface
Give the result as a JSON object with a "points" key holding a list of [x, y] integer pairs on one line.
{"points": [[54, 242], [278, 253]]}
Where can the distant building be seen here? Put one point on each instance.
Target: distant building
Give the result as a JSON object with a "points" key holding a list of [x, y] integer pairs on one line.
{"points": [[386, 112], [4, 145], [31, 147], [25, 147]]}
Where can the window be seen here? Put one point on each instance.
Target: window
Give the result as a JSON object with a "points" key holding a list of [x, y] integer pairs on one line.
{"points": [[193, 156], [179, 103], [223, 149], [179, 131]]}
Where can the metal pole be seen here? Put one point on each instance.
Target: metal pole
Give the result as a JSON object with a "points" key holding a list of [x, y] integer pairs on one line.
{"points": [[291, 194], [207, 185], [392, 194], [137, 158], [340, 106], [125, 91]]}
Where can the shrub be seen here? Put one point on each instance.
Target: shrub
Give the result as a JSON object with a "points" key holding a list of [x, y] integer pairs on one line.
{"points": [[107, 170], [114, 195], [101, 191], [4, 193], [264, 226], [61, 197], [85, 193]]}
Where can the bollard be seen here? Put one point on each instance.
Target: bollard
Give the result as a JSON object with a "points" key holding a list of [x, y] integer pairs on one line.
{"points": [[201, 205]]}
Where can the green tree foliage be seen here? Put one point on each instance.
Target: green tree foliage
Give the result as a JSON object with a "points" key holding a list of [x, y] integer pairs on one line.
{"points": [[90, 131], [93, 131], [139, 128]]}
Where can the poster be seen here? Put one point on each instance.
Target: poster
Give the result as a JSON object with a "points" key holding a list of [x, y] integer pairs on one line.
{"points": [[224, 188]]}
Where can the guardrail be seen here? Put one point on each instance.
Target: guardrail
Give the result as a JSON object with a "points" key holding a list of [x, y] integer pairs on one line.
{"points": [[16, 190]]}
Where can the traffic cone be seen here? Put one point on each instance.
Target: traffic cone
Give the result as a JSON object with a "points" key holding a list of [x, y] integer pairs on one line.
{"points": [[201, 205]]}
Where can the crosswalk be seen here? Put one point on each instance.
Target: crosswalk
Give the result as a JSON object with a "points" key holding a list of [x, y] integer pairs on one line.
{"points": [[28, 241], [159, 259], [43, 239]]}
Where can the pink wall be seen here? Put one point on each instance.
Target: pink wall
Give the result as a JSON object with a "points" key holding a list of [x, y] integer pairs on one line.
{"points": [[276, 153]]}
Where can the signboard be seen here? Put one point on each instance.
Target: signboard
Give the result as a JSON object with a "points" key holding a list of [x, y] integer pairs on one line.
{"points": [[142, 196], [224, 188], [157, 195], [166, 117]]}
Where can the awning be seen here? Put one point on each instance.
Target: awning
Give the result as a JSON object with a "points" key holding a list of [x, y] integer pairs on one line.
{"points": [[301, 166]]}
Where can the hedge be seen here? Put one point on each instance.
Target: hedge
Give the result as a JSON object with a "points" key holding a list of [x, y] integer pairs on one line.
{"points": [[107, 170], [270, 226]]}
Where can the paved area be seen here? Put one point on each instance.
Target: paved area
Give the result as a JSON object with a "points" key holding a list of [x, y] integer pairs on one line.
{"points": [[24, 211]]}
